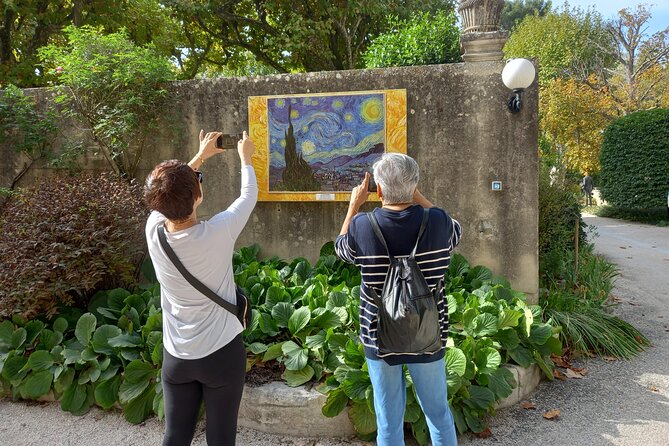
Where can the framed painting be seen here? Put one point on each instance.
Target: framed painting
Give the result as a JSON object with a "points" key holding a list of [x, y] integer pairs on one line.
{"points": [[317, 147]]}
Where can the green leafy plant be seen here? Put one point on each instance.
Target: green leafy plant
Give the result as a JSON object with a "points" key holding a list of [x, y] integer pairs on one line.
{"points": [[65, 239], [422, 40], [111, 357], [115, 88]]}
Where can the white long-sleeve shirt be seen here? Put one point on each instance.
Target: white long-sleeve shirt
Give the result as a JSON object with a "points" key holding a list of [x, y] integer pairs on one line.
{"points": [[193, 325]]}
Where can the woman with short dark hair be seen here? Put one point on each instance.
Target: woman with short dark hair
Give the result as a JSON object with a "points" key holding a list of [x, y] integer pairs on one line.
{"points": [[204, 358]]}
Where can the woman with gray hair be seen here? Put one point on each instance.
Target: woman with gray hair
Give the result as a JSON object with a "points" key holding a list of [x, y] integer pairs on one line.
{"points": [[400, 219]]}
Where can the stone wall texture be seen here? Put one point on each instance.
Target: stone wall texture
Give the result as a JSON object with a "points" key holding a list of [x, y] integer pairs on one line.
{"points": [[458, 129]]}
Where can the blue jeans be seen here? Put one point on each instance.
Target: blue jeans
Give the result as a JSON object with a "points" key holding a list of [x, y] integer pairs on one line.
{"points": [[389, 385]]}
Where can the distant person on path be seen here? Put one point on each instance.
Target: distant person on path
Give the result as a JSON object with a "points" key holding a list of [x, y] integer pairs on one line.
{"points": [[399, 219], [204, 358], [587, 186]]}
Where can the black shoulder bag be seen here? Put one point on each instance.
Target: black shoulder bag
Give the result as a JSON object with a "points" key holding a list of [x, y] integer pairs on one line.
{"points": [[408, 313], [241, 310]]}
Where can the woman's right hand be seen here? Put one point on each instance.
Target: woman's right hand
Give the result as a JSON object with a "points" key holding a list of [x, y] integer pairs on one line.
{"points": [[208, 145], [245, 148]]}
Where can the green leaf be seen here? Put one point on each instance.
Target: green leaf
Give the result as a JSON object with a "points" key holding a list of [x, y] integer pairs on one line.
{"points": [[85, 327], [364, 421], [50, 339], [40, 360], [335, 403], [501, 382], [337, 299], [6, 330], [356, 385], [328, 319], [273, 352], [454, 383], [33, 330], [60, 324], [138, 409], [299, 319], [268, 325], [456, 362], [295, 356], [13, 369], [474, 420], [91, 374], [102, 336], [508, 338], [138, 371], [412, 412], [508, 318], [275, 295], [71, 356], [539, 334], [480, 397], [281, 313], [484, 325], [106, 392], [125, 340], [116, 298], [38, 384], [545, 364], [316, 341], [296, 378], [521, 355], [74, 398], [257, 347], [529, 320], [18, 337], [487, 360]]}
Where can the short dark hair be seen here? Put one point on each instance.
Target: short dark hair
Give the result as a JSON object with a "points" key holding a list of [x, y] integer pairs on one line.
{"points": [[171, 189]]}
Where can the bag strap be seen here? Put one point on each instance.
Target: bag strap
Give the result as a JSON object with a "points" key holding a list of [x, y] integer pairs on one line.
{"points": [[426, 217], [202, 288], [379, 234]]}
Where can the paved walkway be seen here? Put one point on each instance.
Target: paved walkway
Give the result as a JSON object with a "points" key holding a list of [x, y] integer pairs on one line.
{"points": [[617, 403]]}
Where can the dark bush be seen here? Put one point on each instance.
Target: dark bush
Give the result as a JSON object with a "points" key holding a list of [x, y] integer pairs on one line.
{"points": [[635, 160], [65, 239], [559, 211]]}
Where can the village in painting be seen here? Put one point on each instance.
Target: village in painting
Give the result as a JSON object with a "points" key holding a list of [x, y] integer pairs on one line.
{"points": [[324, 143]]}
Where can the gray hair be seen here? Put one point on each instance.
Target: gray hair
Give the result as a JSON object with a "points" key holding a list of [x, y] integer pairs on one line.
{"points": [[397, 174]]}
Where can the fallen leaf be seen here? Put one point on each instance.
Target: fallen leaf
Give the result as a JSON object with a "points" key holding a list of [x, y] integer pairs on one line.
{"points": [[653, 389], [486, 433], [610, 358], [527, 405], [552, 414], [582, 370], [559, 375], [623, 247], [572, 374], [560, 361]]}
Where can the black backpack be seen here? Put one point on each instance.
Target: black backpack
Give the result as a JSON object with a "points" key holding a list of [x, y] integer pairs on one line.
{"points": [[408, 314]]}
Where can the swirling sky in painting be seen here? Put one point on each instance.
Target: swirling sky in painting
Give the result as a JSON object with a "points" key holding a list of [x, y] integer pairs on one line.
{"points": [[339, 136]]}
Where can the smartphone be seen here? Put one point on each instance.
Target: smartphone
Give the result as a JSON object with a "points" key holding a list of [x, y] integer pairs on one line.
{"points": [[371, 186], [227, 141]]}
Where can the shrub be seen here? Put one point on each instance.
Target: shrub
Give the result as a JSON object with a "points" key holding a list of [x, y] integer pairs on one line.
{"points": [[424, 39], [65, 238], [635, 160], [114, 87], [559, 211]]}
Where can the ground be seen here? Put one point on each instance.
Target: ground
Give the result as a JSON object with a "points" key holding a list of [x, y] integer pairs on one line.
{"points": [[616, 403]]}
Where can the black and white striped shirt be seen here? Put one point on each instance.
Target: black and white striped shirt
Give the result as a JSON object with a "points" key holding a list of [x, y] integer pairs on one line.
{"points": [[361, 247]]}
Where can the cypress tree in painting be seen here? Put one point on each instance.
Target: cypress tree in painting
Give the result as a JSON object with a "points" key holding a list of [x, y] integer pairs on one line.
{"points": [[298, 175]]}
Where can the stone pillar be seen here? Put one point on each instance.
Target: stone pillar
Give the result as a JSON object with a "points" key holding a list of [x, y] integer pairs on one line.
{"points": [[481, 38]]}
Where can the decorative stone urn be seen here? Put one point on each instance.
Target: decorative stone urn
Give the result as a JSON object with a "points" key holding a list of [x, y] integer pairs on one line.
{"points": [[481, 38], [480, 16]]}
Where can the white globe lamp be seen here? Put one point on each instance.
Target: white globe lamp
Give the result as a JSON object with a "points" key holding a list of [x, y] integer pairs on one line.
{"points": [[517, 75]]}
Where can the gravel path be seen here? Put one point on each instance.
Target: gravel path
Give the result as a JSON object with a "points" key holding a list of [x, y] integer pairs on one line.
{"points": [[617, 403]]}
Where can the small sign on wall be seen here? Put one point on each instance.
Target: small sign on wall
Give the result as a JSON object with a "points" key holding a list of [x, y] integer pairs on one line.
{"points": [[496, 185]]}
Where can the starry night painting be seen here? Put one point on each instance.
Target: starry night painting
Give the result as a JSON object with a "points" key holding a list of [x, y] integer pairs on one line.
{"points": [[324, 143]]}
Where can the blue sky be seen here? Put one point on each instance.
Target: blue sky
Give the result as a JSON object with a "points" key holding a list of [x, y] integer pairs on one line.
{"points": [[609, 9]]}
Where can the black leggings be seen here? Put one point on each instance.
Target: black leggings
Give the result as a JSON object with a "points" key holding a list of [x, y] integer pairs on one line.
{"points": [[218, 379]]}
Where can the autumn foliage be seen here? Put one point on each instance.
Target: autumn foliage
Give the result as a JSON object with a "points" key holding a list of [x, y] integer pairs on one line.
{"points": [[62, 240]]}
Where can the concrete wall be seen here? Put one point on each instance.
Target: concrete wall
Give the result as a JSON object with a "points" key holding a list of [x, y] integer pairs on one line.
{"points": [[458, 129]]}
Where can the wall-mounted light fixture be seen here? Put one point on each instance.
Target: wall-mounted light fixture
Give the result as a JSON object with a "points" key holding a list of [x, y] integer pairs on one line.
{"points": [[517, 75]]}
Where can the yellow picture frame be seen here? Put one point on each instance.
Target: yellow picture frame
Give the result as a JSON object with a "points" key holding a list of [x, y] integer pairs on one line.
{"points": [[394, 138]]}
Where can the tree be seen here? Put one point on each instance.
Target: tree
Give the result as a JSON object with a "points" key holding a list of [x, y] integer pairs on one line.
{"points": [[515, 11], [573, 117], [424, 39], [639, 78], [115, 88], [27, 25], [286, 35], [561, 41]]}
